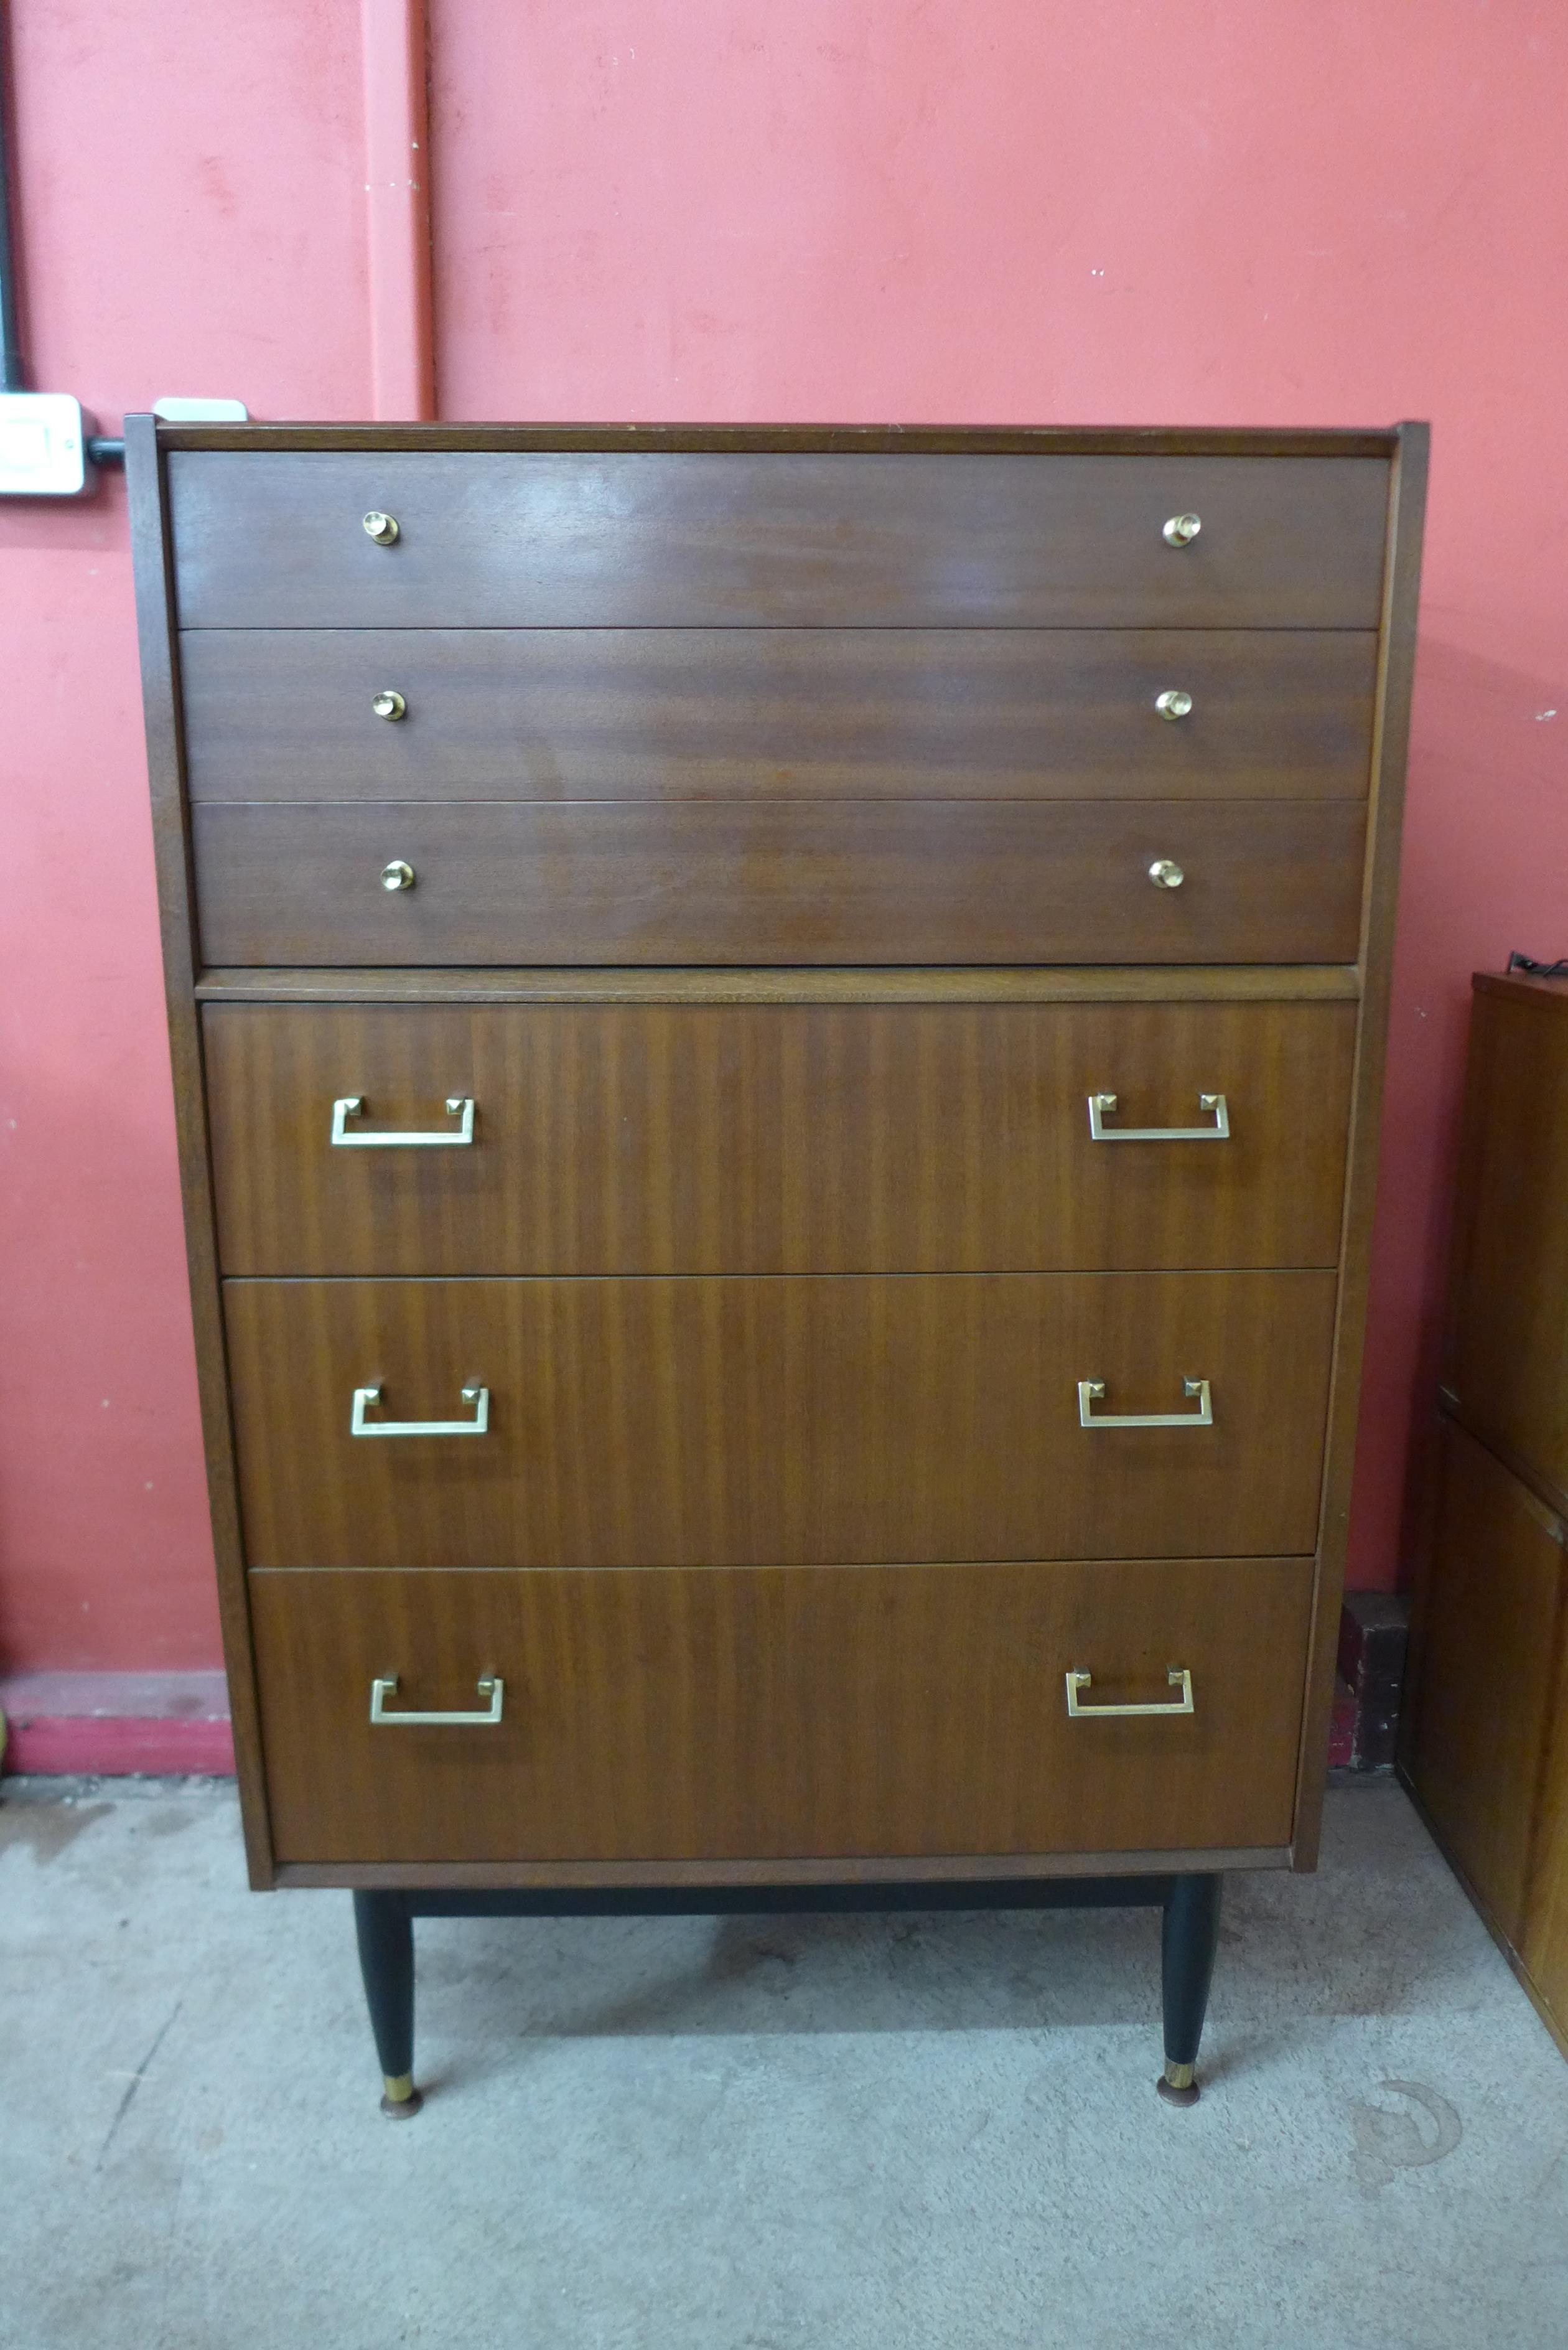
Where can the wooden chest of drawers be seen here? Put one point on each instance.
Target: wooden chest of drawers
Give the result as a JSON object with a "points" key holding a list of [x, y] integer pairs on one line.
{"points": [[1484, 1727], [778, 1039]]}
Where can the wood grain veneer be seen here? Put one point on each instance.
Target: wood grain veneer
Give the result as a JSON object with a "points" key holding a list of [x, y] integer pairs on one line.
{"points": [[1407, 491], [176, 919], [1492, 1632], [258, 438], [786, 1712], [769, 539], [784, 1138], [785, 984], [918, 764], [735, 1419], [967, 1868], [1506, 1348], [802, 881], [807, 713], [1484, 1731]]}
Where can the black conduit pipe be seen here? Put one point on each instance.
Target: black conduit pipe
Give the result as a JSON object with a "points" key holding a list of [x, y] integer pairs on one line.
{"points": [[100, 450], [11, 371]]}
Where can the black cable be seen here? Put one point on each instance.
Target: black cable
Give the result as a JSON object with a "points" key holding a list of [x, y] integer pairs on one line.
{"points": [[13, 376], [1558, 970]]}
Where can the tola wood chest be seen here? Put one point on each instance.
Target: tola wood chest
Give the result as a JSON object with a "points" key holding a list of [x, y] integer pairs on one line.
{"points": [[778, 1039]]}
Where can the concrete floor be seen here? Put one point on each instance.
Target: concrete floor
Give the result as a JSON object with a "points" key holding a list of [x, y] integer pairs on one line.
{"points": [[745, 2135]]}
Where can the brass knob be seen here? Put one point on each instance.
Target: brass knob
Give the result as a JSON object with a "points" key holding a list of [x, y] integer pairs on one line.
{"points": [[398, 875], [389, 704], [1180, 531], [383, 528], [1173, 705], [1162, 873]]}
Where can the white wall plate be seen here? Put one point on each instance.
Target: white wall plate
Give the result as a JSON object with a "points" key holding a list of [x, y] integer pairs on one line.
{"points": [[43, 445], [202, 412]]}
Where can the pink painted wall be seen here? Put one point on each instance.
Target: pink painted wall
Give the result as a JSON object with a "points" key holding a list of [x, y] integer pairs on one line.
{"points": [[1320, 211], [191, 211]]}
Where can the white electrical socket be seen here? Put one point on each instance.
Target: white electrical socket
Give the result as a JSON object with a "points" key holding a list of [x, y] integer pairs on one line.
{"points": [[43, 445]]}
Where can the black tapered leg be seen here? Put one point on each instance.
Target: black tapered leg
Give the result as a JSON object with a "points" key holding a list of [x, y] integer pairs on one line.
{"points": [[1191, 1930], [386, 1936]]}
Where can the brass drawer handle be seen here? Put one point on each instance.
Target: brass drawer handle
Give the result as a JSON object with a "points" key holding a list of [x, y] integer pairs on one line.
{"points": [[1092, 1391], [1177, 1675], [1164, 873], [388, 704], [365, 1396], [383, 528], [1173, 705], [1180, 531], [459, 1106], [1102, 1105], [491, 1687], [397, 875]]}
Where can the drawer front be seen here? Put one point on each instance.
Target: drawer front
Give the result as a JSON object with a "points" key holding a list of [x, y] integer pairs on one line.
{"points": [[786, 1712], [778, 1138], [799, 714], [728, 882], [775, 539], [1507, 1348], [739, 1420], [1489, 1672]]}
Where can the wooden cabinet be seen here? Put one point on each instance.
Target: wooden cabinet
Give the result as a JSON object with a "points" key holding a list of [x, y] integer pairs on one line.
{"points": [[778, 1039], [1505, 1369], [1485, 1737]]}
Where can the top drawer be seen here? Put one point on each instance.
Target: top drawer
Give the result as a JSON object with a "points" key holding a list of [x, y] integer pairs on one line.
{"points": [[761, 539]]}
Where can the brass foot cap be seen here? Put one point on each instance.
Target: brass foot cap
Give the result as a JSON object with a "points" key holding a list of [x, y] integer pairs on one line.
{"points": [[402, 2100], [1177, 2085]]}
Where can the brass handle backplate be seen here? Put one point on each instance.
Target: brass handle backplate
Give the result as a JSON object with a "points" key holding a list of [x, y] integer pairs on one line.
{"points": [[389, 703], [1093, 1392], [1180, 531], [1174, 702], [491, 1687], [383, 528], [459, 1106], [1177, 1676], [1102, 1105], [397, 875], [365, 1396], [1164, 873]]}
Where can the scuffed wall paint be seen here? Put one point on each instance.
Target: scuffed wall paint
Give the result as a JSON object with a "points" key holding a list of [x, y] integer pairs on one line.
{"points": [[191, 214]]}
